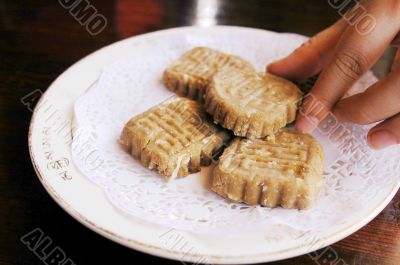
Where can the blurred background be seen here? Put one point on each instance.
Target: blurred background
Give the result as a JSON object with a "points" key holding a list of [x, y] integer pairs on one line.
{"points": [[39, 39]]}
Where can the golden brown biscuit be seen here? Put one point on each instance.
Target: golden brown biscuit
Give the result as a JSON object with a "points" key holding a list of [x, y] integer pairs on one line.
{"points": [[286, 171], [252, 105], [175, 138], [191, 74]]}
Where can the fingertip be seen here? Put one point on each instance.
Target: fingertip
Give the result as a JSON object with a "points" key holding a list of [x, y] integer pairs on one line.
{"points": [[294, 66], [276, 67], [381, 139], [306, 124]]}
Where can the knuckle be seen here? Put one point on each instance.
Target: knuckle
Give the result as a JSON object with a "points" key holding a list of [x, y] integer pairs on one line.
{"points": [[350, 64]]}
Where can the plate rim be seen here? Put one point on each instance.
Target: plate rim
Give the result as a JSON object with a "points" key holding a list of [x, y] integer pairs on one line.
{"points": [[165, 252]]}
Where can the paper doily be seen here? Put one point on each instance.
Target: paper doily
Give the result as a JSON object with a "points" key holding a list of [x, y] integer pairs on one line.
{"points": [[353, 173]]}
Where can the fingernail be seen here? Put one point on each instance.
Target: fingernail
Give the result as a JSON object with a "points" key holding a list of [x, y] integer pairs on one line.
{"points": [[381, 139], [306, 124]]}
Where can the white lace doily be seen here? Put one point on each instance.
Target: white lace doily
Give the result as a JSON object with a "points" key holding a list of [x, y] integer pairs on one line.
{"points": [[353, 175]]}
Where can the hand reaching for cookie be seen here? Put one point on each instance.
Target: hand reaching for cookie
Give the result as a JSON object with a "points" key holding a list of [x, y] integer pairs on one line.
{"points": [[343, 55]]}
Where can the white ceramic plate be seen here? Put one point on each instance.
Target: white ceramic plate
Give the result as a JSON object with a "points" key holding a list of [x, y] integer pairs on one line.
{"points": [[50, 138]]}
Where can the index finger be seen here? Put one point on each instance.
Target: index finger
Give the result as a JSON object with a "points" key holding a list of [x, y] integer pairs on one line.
{"points": [[309, 58]]}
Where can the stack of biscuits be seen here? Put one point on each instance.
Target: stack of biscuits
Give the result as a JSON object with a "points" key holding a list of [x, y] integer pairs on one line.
{"points": [[226, 106]]}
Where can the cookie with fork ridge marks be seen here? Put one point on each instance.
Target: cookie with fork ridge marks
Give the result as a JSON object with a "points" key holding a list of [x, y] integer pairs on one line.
{"points": [[286, 171], [174, 138], [191, 74], [252, 105]]}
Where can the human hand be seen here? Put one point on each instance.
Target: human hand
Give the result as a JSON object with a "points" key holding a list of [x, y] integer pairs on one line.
{"points": [[344, 55]]}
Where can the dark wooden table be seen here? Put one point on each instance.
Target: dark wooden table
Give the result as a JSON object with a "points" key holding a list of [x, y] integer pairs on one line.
{"points": [[40, 39]]}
